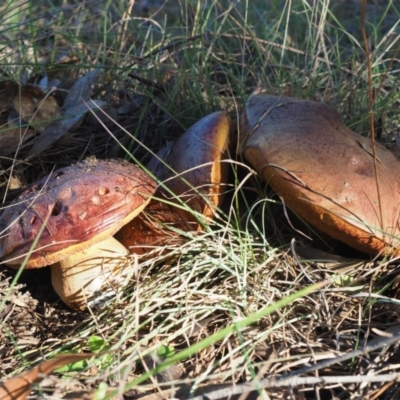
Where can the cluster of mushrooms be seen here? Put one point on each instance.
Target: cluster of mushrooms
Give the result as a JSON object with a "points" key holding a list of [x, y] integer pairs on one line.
{"points": [[84, 220]]}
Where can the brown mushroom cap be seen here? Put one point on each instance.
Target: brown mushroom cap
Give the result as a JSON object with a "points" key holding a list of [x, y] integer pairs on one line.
{"points": [[196, 157], [192, 170], [323, 170], [84, 203]]}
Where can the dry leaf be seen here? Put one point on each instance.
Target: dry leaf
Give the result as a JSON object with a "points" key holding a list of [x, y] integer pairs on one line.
{"points": [[76, 105], [81, 90], [11, 136], [106, 115], [64, 69], [61, 126], [14, 183], [8, 89], [19, 387], [38, 108]]}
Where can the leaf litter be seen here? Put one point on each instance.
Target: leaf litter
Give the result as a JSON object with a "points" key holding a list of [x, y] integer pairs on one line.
{"points": [[168, 296]]}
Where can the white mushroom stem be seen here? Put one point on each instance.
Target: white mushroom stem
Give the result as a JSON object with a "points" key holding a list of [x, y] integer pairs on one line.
{"points": [[83, 278]]}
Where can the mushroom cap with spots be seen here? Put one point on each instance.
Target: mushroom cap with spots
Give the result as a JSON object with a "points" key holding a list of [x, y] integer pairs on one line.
{"points": [[71, 209], [324, 171]]}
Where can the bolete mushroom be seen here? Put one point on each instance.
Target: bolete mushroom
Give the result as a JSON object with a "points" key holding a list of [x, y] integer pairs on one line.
{"points": [[324, 171], [76, 210], [192, 172]]}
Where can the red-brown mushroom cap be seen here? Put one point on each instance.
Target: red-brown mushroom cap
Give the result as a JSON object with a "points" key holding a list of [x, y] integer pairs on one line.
{"points": [[196, 157], [84, 203], [193, 171], [323, 170]]}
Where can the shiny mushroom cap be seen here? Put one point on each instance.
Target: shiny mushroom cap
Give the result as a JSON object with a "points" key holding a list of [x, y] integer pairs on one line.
{"points": [[323, 170], [192, 165], [192, 171], [80, 205]]}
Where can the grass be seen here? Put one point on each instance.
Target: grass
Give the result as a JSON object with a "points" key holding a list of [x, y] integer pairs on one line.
{"points": [[163, 67]]}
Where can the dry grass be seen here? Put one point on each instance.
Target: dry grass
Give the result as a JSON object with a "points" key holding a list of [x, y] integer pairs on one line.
{"points": [[163, 67]]}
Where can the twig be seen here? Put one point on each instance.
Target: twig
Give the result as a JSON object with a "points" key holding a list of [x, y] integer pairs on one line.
{"points": [[297, 381], [293, 379], [157, 87]]}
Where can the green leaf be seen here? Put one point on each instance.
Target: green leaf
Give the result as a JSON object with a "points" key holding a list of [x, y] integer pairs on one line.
{"points": [[97, 343], [165, 351], [74, 367], [101, 392]]}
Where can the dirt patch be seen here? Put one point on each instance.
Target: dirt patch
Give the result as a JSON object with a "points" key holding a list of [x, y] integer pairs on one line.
{"points": [[33, 316]]}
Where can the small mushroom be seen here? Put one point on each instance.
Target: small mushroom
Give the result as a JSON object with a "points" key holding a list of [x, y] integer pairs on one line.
{"points": [[324, 171], [191, 171], [81, 207]]}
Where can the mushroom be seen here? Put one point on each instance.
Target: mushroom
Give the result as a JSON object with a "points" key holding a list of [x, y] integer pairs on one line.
{"points": [[191, 172], [76, 211], [324, 171]]}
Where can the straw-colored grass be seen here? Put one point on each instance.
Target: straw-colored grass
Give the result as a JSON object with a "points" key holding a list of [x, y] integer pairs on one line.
{"points": [[164, 65]]}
